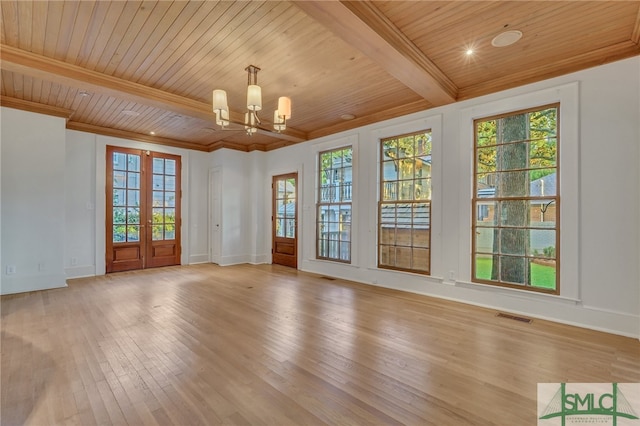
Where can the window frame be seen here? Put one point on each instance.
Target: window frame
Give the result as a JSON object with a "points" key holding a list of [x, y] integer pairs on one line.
{"points": [[556, 199], [320, 203], [413, 201]]}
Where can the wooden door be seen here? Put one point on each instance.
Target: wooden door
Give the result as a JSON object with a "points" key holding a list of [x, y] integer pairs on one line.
{"points": [[143, 209], [285, 220], [163, 212]]}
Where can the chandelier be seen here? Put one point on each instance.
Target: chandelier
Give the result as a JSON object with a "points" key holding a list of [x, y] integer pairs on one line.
{"points": [[254, 104]]}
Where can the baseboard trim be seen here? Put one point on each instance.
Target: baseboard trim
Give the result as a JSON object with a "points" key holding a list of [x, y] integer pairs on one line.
{"points": [[26, 284], [80, 271], [199, 258]]}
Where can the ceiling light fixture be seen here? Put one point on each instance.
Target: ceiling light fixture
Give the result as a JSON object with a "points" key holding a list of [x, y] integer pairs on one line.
{"points": [[506, 38], [254, 104]]}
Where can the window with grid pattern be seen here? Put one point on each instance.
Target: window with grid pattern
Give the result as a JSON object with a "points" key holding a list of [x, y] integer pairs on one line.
{"points": [[404, 225], [515, 216], [334, 205]]}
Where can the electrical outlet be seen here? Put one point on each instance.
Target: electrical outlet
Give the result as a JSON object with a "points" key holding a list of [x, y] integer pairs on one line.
{"points": [[11, 269], [74, 261], [42, 267], [452, 275]]}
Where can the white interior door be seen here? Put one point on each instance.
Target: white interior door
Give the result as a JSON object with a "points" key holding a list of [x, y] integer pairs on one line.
{"points": [[215, 185]]}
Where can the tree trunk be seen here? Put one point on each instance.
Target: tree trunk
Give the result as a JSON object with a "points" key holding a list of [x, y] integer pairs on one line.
{"points": [[510, 238]]}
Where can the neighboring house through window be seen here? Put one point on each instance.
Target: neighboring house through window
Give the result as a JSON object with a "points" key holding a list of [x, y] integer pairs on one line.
{"points": [[334, 205], [515, 228], [404, 233]]}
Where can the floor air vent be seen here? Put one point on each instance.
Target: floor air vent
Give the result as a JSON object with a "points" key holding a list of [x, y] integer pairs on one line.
{"points": [[514, 317], [328, 278]]}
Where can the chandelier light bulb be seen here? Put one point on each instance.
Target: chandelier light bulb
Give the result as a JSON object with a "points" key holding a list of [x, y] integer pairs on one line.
{"points": [[254, 97], [250, 123], [284, 107], [222, 118], [220, 101], [279, 123]]}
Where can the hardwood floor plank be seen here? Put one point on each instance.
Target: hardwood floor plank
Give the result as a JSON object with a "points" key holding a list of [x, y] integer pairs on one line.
{"points": [[110, 403], [85, 412], [269, 345]]}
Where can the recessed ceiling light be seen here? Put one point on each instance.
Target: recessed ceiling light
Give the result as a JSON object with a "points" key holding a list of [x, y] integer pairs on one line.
{"points": [[469, 52], [130, 112], [347, 116], [506, 38], [83, 93], [152, 133]]}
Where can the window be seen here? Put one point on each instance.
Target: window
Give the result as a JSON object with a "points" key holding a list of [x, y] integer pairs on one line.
{"points": [[404, 233], [515, 224], [334, 205]]}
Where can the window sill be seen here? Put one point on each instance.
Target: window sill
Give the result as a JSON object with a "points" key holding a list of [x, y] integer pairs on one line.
{"points": [[331, 262], [514, 292]]}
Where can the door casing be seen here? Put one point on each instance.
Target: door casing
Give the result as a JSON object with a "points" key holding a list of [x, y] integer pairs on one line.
{"points": [[284, 250], [146, 252]]}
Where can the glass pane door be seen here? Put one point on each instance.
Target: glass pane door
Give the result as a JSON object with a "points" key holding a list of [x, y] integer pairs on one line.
{"points": [[143, 209], [285, 243], [164, 199]]}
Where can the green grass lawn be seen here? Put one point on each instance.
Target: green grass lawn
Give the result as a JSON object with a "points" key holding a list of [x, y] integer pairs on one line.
{"points": [[541, 275]]}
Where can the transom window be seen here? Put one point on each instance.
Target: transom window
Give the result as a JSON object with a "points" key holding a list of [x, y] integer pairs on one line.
{"points": [[515, 204], [404, 233], [334, 205]]}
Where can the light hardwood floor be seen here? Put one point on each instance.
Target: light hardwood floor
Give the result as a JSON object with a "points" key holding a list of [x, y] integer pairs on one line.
{"points": [[268, 345]]}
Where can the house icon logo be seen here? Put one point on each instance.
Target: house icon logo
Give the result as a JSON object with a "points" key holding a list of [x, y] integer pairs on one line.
{"points": [[614, 404]]}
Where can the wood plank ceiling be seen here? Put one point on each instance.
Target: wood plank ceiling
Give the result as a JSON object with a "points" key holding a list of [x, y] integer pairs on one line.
{"points": [[130, 68]]}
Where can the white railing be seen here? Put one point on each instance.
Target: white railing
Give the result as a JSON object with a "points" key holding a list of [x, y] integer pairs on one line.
{"points": [[335, 192]]}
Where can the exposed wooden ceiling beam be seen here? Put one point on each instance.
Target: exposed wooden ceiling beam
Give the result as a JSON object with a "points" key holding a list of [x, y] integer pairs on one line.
{"points": [[10, 102], [117, 133], [159, 140], [31, 64], [364, 27]]}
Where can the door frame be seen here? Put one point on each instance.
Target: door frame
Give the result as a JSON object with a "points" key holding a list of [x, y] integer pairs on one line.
{"points": [[98, 202], [272, 207], [141, 244], [150, 253]]}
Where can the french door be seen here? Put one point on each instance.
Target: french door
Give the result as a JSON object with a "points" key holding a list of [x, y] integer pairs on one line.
{"points": [[285, 220], [143, 209]]}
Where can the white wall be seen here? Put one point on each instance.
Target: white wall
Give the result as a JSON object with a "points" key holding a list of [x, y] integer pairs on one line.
{"points": [[260, 236], [198, 207], [600, 201], [2, 270], [33, 201], [80, 206]]}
